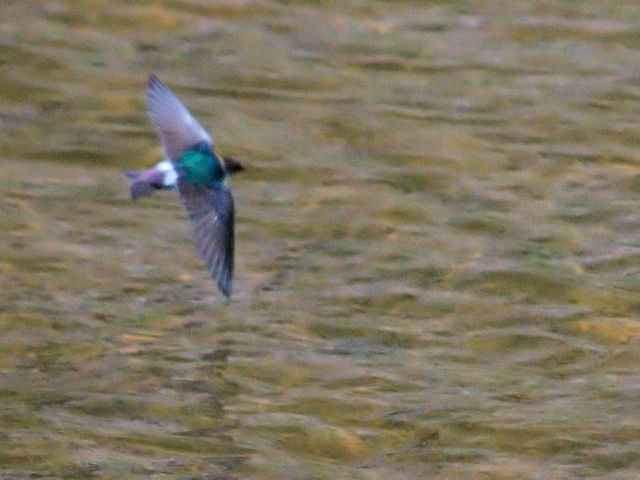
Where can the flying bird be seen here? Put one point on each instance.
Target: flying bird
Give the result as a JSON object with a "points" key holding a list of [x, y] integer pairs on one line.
{"points": [[200, 176]]}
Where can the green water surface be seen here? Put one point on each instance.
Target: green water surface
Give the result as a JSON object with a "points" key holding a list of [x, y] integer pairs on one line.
{"points": [[438, 242]]}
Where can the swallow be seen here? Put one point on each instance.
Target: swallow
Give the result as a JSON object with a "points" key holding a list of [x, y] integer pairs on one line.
{"points": [[192, 166]]}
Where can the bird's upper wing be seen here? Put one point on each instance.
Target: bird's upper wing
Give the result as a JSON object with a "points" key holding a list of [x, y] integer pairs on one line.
{"points": [[178, 129], [212, 216]]}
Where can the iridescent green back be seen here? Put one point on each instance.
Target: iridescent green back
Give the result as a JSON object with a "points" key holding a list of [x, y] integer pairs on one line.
{"points": [[200, 167]]}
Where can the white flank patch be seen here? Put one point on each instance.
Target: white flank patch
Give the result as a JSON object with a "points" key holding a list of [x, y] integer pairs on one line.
{"points": [[170, 175]]}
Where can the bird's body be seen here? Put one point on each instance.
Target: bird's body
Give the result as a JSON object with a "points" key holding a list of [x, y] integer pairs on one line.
{"points": [[164, 176], [200, 176]]}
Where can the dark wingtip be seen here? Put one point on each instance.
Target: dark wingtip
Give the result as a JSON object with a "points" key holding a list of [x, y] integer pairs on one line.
{"points": [[232, 166], [154, 85], [223, 274], [152, 79], [224, 279]]}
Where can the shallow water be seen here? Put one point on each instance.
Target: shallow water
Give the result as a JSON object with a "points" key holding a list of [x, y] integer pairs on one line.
{"points": [[438, 236]]}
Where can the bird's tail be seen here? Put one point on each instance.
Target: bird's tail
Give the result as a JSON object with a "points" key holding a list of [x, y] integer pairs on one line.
{"points": [[139, 183]]}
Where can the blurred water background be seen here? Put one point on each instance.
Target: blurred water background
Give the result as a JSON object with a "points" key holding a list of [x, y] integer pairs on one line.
{"points": [[438, 235]]}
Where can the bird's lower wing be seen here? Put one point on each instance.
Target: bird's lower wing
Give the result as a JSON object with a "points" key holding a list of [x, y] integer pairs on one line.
{"points": [[212, 217]]}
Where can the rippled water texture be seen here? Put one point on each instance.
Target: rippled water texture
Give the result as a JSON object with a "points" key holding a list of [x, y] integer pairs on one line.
{"points": [[438, 239]]}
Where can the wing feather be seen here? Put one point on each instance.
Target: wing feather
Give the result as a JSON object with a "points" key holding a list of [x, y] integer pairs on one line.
{"points": [[212, 216], [178, 130]]}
